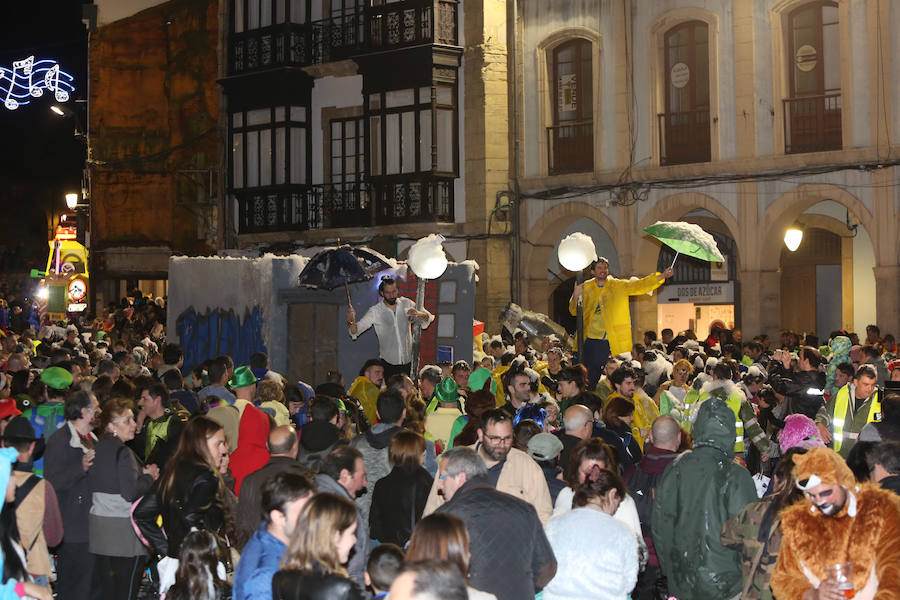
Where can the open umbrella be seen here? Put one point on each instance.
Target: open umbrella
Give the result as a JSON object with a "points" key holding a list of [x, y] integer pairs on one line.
{"points": [[686, 238], [343, 265]]}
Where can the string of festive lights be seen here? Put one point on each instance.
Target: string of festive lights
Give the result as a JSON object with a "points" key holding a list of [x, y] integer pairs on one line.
{"points": [[29, 78]]}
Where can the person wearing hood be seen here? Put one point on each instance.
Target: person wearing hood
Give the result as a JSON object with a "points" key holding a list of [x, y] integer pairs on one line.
{"points": [[840, 520], [746, 423], [374, 443], [367, 386], [697, 493], [252, 452], [321, 434]]}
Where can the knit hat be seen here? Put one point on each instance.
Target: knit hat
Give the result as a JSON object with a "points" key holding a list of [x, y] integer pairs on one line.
{"points": [[445, 391], [56, 378], [822, 466], [242, 377], [478, 377], [544, 446], [799, 432]]}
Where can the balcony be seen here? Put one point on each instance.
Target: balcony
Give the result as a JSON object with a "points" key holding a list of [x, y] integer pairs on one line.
{"points": [[812, 123], [684, 137], [378, 28], [415, 199], [570, 147]]}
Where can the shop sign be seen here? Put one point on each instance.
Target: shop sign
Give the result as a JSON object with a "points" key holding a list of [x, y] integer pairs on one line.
{"points": [[709, 292]]}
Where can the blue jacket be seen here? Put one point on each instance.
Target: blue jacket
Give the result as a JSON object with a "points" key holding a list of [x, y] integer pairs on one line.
{"points": [[260, 560]]}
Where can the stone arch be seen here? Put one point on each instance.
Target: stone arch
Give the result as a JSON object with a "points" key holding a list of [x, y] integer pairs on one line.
{"points": [[790, 205], [543, 51], [655, 32], [540, 241]]}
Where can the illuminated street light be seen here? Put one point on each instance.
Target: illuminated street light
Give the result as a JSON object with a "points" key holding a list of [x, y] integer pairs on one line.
{"points": [[58, 110], [71, 201], [793, 237]]}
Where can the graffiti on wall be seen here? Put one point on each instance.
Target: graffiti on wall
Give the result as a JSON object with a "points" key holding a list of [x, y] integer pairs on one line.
{"points": [[205, 336]]}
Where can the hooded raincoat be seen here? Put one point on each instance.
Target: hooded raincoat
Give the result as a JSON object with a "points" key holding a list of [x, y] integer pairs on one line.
{"points": [[696, 495]]}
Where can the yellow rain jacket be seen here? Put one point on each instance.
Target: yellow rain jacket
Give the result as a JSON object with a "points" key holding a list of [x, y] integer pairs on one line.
{"points": [[612, 299]]}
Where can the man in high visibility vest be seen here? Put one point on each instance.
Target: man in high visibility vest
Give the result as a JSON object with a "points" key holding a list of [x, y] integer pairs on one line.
{"points": [[848, 411], [745, 418]]}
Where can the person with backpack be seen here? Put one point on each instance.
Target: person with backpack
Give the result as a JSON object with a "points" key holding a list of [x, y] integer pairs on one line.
{"points": [[642, 478], [37, 508]]}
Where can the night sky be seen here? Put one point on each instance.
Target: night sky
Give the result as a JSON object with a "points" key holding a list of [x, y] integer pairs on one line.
{"points": [[40, 158]]}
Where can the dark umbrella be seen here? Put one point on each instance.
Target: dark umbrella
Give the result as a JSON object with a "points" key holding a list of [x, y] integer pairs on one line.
{"points": [[342, 265]]}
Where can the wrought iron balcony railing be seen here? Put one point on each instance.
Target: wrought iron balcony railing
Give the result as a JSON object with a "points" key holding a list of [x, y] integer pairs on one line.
{"points": [[570, 147], [812, 123], [684, 137], [416, 199], [373, 29]]}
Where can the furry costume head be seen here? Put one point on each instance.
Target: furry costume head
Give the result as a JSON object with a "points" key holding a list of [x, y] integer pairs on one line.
{"points": [[822, 466]]}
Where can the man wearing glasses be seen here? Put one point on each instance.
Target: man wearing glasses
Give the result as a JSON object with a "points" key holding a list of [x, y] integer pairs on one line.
{"points": [[508, 469]]}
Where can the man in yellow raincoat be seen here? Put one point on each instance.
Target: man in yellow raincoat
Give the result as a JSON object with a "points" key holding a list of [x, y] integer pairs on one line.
{"points": [[607, 320]]}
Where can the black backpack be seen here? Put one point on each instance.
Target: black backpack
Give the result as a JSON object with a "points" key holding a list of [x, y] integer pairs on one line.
{"points": [[642, 487]]}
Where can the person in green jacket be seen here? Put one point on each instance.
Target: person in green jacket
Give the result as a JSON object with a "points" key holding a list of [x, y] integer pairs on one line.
{"points": [[697, 494]]}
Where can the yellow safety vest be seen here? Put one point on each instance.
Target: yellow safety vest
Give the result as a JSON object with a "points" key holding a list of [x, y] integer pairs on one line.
{"points": [[842, 402], [734, 403]]}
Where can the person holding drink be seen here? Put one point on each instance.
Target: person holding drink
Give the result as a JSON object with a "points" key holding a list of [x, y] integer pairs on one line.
{"points": [[843, 540]]}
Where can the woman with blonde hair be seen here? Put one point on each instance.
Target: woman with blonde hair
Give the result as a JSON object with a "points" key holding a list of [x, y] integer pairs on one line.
{"points": [[670, 395], [443, 536], [313, 564]]}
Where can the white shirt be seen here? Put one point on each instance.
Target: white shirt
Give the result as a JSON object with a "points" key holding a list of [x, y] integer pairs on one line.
{"points": [[393, 329]]}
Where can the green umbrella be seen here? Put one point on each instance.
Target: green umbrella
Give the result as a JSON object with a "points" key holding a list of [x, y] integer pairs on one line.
{"points": [[686, 238]]}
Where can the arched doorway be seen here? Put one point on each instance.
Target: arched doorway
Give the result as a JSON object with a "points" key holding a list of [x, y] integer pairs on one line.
{"points": [[811, 299]]}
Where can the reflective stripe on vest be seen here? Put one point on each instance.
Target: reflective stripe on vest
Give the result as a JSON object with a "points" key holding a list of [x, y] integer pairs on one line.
{"points": [[842, 403], [734, 403]]}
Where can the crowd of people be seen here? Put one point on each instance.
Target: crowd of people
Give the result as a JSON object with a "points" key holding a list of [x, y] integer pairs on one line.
{"points": [[695, 469]]}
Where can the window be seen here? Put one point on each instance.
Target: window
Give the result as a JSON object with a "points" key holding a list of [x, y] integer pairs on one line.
{"points": [[348, 196], [684, 126], [571, 137], [413, 130], [248, 15], [813, 110], [269, 147]]}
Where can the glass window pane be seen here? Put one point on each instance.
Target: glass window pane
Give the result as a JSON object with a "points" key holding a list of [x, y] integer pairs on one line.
{"points": [[279, 11], [298, 155], [253, 14], [252, 158], [265, 18], [831, 43], [265, 157], [375, 145], [445, 140], [237, 161], [298, 11], [298, 113], [259, 116], [425, 95], [425, 145], [408, 140], [279, 113], [392, 142], [280, 152], [238, 16], [444, 94], [398, 98], [336, 132], [237, 119], [337, 168], [374, 101]]}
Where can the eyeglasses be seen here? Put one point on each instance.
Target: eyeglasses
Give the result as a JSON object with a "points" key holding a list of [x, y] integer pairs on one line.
{"points": [[496, 439]]}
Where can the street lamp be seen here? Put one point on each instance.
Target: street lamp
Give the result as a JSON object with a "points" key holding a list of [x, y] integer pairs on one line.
{"points": [[427, 261], [575, 253], [793, 237], [71, 201]]}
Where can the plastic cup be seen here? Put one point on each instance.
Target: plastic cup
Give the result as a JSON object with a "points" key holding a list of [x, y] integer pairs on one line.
{"points": [[842, 575]]}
